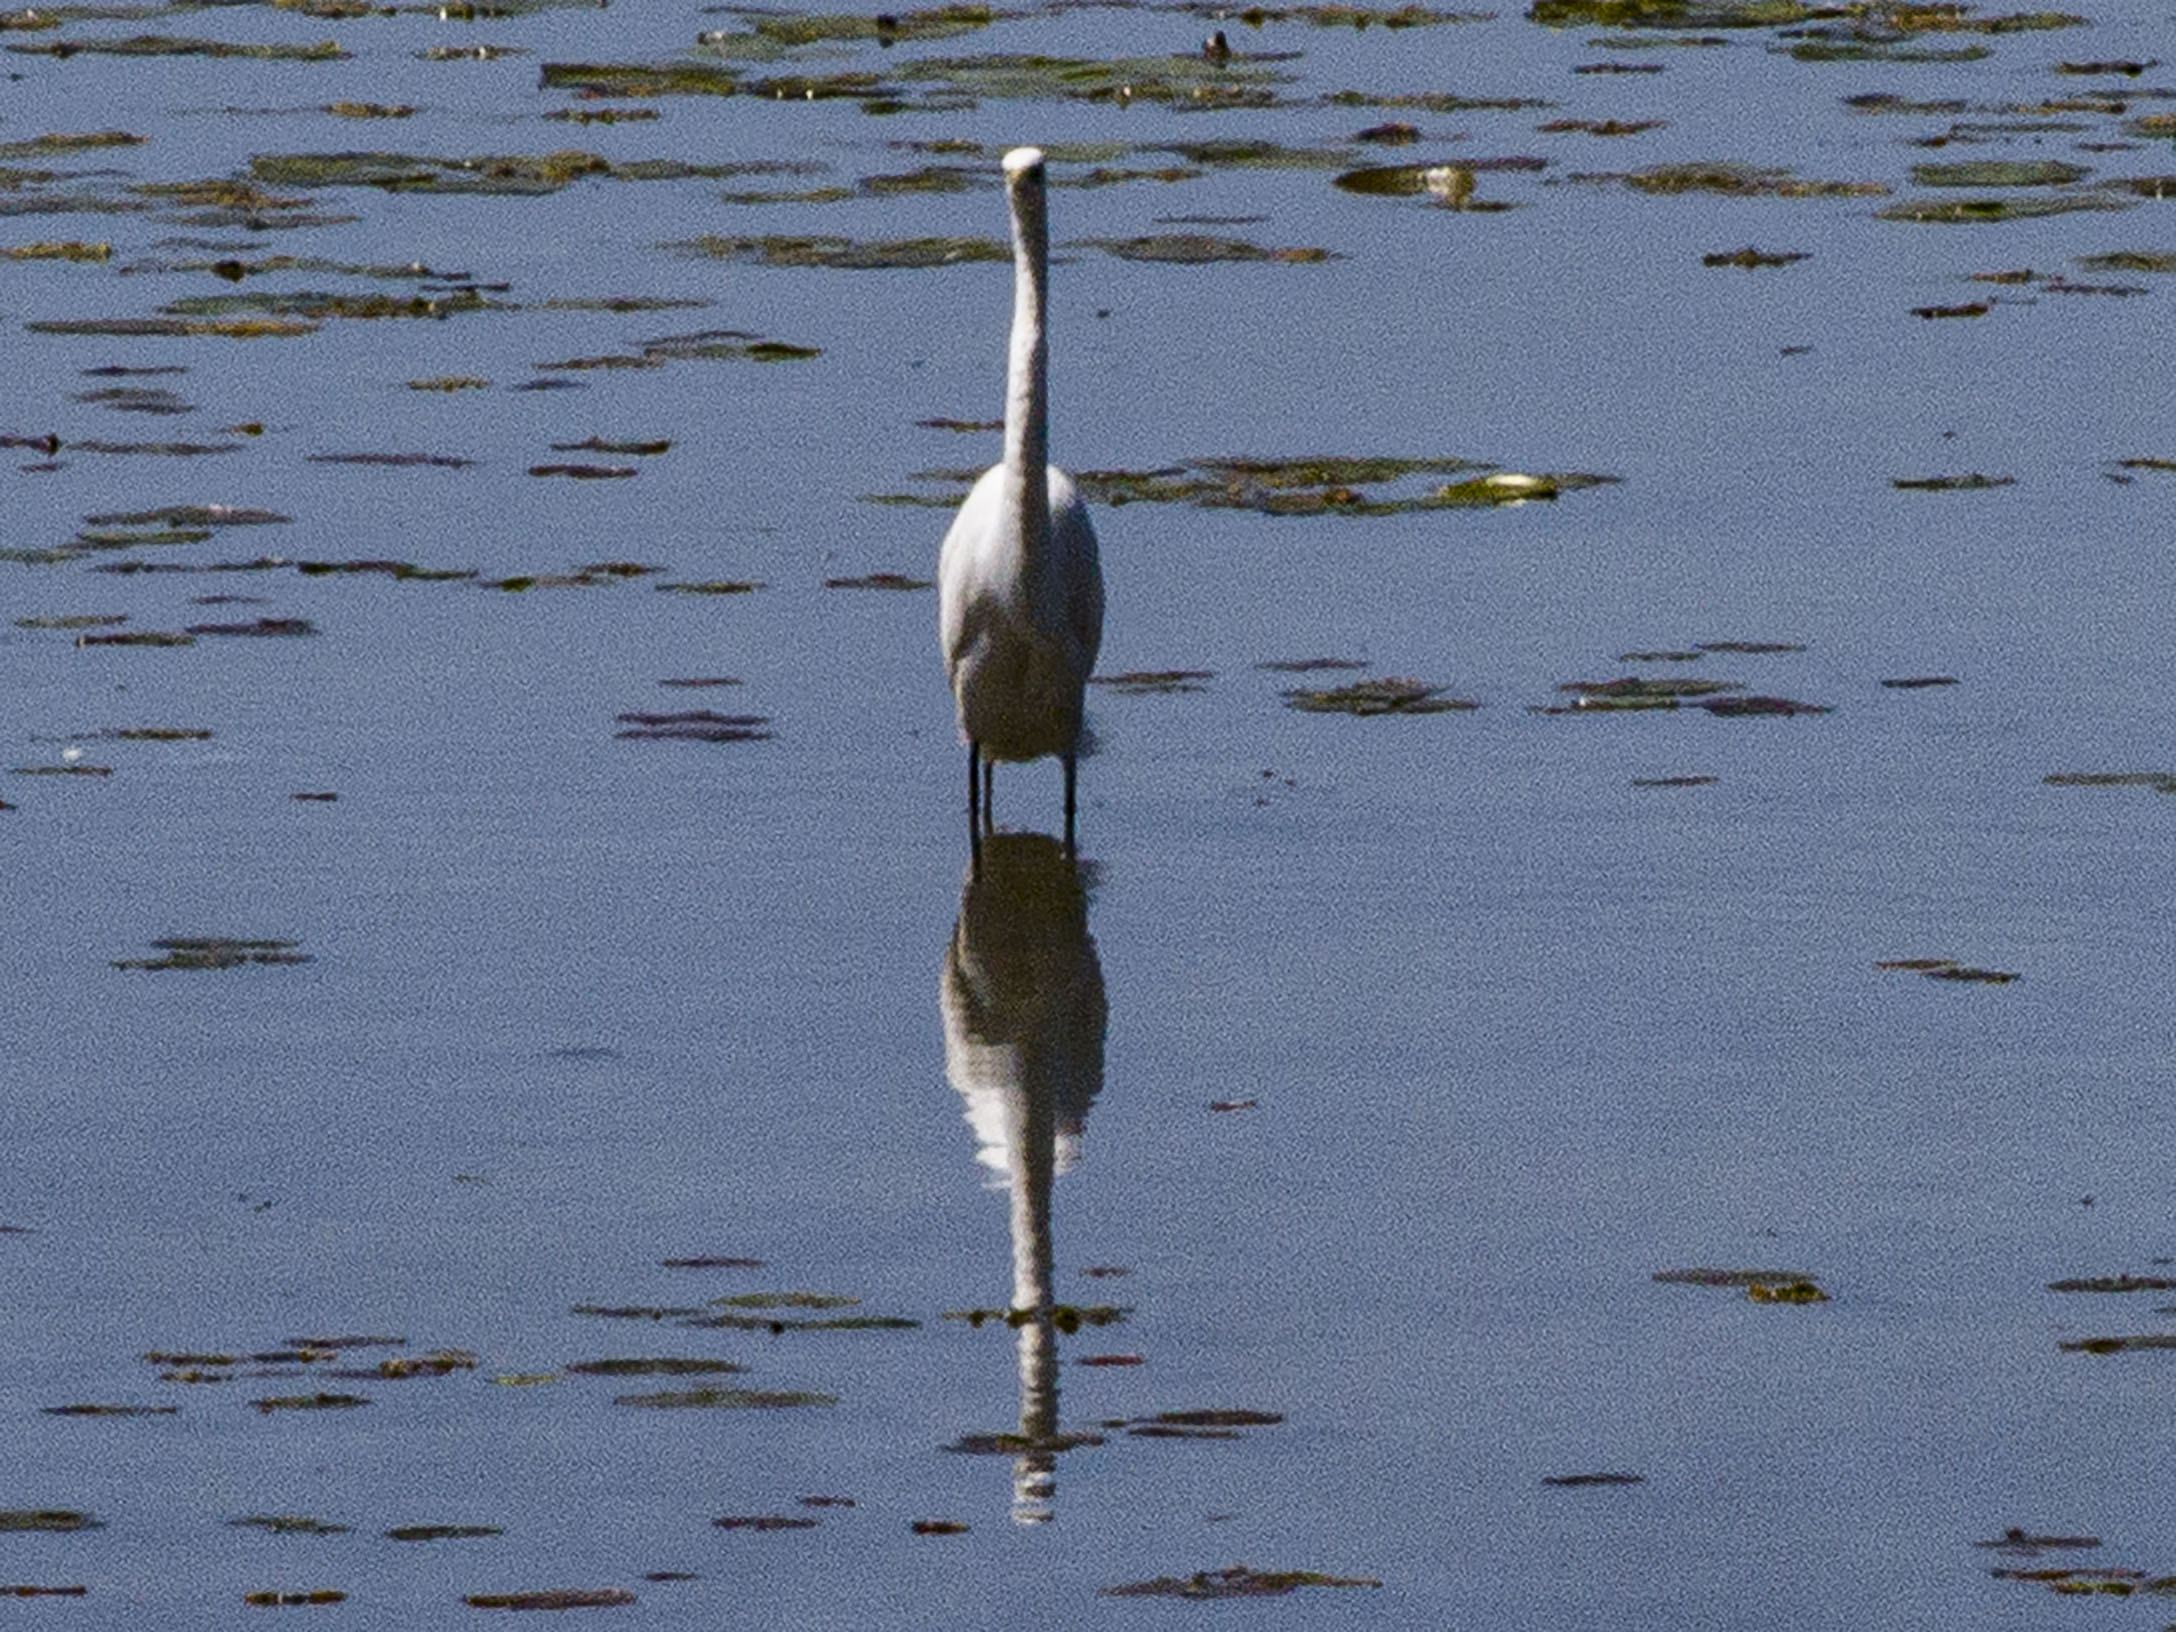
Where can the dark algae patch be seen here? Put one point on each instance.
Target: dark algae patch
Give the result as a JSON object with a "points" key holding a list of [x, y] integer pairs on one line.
{"points": [[1237, 1581], [552, 1598], [1948, 969], [59, 1520], [726, 1399], [1590, 1481], [215, 952], [1368, 698]]}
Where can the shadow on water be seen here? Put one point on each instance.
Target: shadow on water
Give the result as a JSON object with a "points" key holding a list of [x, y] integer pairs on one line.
{"points": [[1024, 1020]]}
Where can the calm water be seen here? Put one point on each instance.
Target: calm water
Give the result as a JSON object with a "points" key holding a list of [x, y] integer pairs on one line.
{"points": [[1509, 1033]]}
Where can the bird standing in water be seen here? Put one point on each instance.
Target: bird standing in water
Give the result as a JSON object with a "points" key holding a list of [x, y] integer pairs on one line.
{"points": [[1020, 589]]}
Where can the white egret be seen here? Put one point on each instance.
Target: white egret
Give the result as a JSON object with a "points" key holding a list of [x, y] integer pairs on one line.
{"points": [[1020, 589]]}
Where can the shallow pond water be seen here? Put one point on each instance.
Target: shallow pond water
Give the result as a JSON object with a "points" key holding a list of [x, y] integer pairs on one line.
{"points": [[367, 983]]}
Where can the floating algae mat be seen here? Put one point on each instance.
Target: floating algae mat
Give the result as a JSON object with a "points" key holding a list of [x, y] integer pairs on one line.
{"points": [[1310, 486]]}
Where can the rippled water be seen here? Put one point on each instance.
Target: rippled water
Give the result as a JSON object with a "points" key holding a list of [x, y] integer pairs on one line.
{"points": [[1503, 1029]]}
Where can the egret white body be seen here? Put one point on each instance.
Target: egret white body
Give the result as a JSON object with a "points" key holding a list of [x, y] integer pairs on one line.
{"points": [[1020, 588]]}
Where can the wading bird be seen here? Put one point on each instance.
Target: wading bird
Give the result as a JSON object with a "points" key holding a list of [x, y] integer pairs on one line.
{"points": [[1020, 590]]}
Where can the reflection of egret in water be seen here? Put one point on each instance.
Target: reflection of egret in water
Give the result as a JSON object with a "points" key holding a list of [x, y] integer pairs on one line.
{"points": [[1023, 1043]]}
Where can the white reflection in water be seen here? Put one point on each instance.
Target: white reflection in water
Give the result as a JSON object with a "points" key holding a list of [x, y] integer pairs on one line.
{"points": [[1024, 1017]]}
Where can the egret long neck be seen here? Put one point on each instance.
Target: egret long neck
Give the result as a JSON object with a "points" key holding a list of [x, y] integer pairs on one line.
{"points": [[1027, 432]]}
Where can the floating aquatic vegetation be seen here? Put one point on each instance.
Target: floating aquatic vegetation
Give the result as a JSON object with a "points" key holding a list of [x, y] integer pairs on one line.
{"points": [[1750, 258], [714, 586], [1367, 698], [1798, 1291], [658, 1366], [1947, 969], [2158, 781], [1318, 485], [402, 570], [1674, 781], [1971, 482], [726, 1399], [215, 952], [58, 1519], [439, 461], [1752, 648], [633, 1311], [137, 400], [2115, 1283], [595, 444], [1194, 81], [1999, 173], [1199, 249], [1918, 682], [309, 1402], [1585, 1481], [1111, 1360], [880, 580], [110, 1410], [1633, 692], [1976, 211], [71, 768], [1977, 308], [1666, 14], [779, 1325], [138, 637], [1734, 706], [1239, 1581], [1152, 682], [442, 1532], [66, 250], [1729, 1277], [602, 116], [438, 1363], [584, 473], [694, 725], [289, 1524], [273, 1599], [257, 627], [764, 1522], [73, 620], [1731, 181], [708, 1262], [2119, 1345], [1203, 1424], [938, 1527], [450, 383], [684, 78], [2017, 1540], [871, 255], [232, 328], [506, 175], [369, 110], [552, 1598], [1603, 127], [172, 45], [2083, 1583], [318, 304]]}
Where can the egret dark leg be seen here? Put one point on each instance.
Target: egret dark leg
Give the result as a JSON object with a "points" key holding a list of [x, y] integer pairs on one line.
{"points": [[1069, 762], [974, 791], [989, 803]]}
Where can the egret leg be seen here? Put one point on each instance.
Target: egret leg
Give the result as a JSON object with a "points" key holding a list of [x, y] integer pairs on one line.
{"points": [[1069, 763], [974, 787], [989, 802]]}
